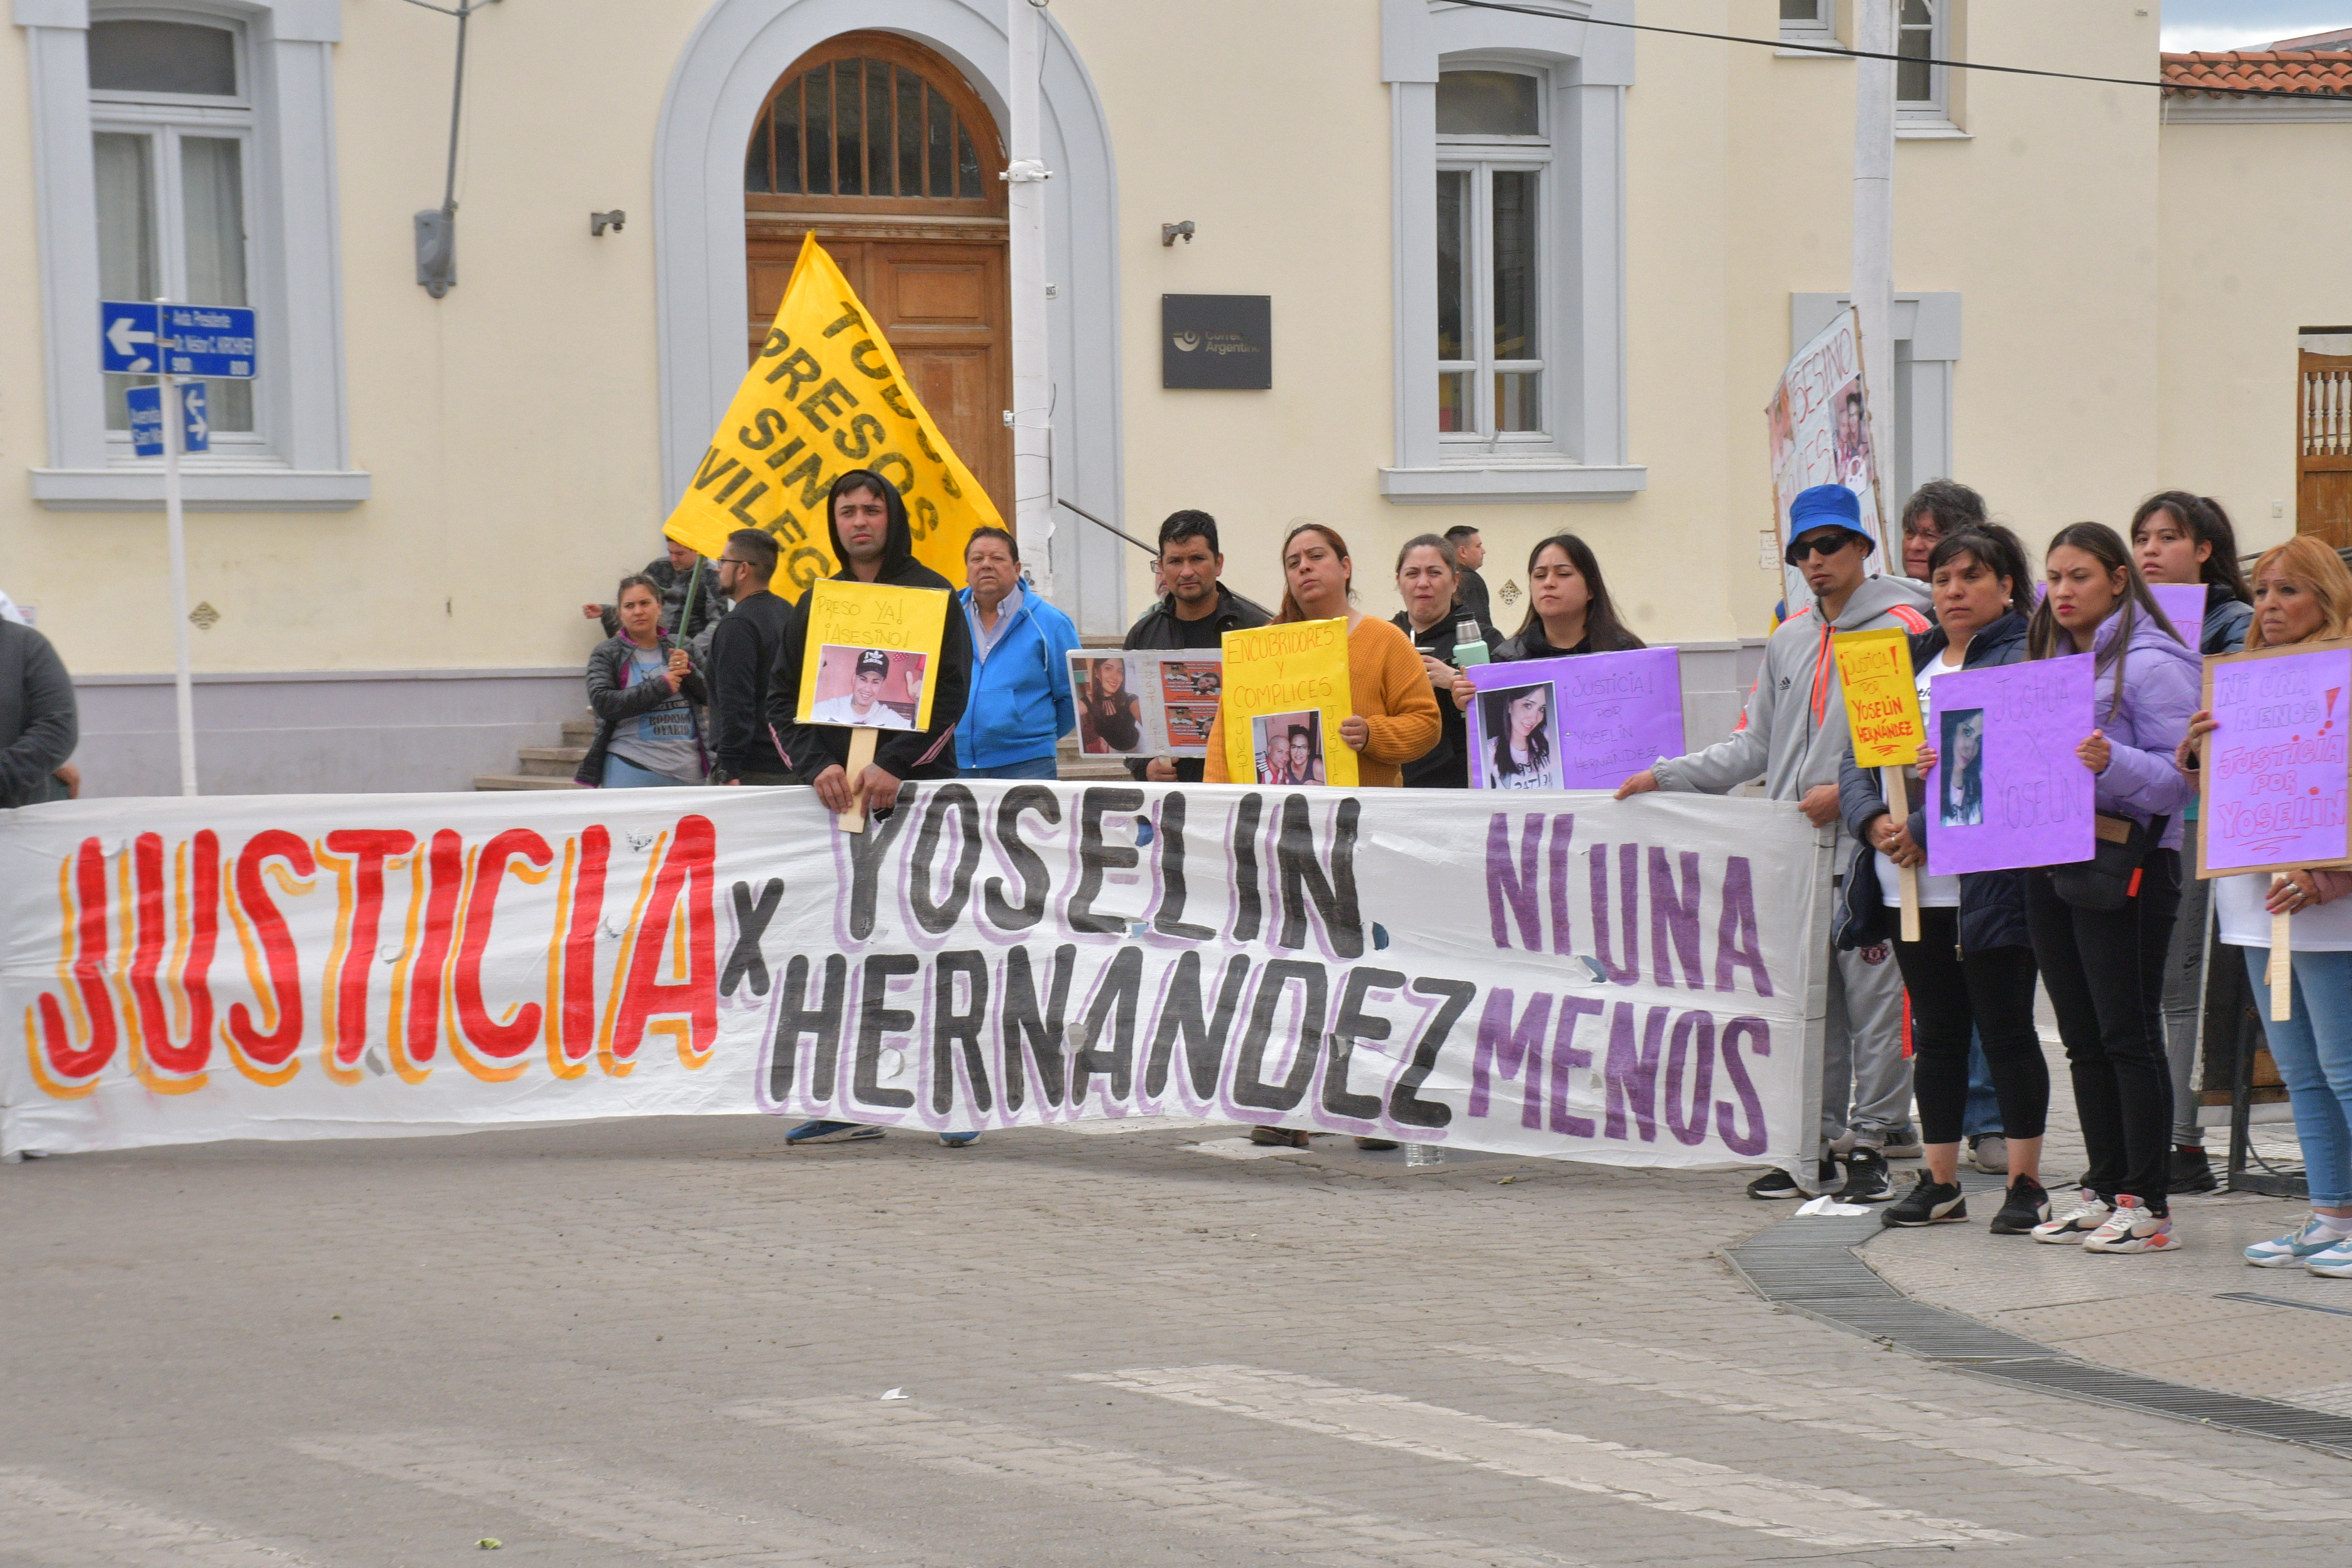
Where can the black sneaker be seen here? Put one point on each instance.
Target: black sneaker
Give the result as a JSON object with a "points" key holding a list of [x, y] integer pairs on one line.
{"points": [[1929, 1202], [2027, 1206], [2193, 1172], [1780, 1185], [1867, 1179]]}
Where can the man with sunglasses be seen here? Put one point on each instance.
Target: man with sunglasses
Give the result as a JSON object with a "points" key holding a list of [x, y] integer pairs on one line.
{"points": [[743, 646], [1793, 737]]}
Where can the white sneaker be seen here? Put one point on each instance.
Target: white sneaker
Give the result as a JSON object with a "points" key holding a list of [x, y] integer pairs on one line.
{"points": [[2089, 1216], [2132, 1228], [2336, 1262], [2313, 1237]]}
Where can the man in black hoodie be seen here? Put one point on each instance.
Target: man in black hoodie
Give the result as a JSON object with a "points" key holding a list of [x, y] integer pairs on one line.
{"points": [[874, 543]]}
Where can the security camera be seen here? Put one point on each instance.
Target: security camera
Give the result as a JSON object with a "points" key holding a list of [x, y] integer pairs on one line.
{"points": [[599, 222]]}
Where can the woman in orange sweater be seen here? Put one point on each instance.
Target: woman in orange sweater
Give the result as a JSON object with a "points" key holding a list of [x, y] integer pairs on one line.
{"points": [[1395, 718]]}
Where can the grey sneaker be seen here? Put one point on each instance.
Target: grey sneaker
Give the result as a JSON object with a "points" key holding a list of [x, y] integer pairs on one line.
{"points": [[1903, 1144], [1989, 1153]]}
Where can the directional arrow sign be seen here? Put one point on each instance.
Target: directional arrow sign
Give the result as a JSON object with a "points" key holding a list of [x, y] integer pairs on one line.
{"points": [[126, 337], [147, 419]]}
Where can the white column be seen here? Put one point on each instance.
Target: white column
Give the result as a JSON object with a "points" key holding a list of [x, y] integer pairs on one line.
{"points": [[1032, 396], [1873, 233]]}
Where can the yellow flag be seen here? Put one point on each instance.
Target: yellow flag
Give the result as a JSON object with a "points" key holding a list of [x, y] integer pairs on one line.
{"points": [[1285, 696], [826, 395]]}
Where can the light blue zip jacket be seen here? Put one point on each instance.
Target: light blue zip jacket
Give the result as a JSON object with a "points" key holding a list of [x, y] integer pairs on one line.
{"points": [[1021, 703]]}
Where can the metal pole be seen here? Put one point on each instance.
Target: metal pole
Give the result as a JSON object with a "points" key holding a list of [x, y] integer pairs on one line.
{"points": [[456, 105], [184, 693], [1874, 237], [1032, 410]]}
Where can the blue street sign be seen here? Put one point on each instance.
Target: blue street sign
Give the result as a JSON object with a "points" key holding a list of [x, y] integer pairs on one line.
{"points": [[147, 419], [126, 336], [212, 341]]}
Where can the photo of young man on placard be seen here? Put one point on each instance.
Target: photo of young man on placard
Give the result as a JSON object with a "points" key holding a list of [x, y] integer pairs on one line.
{"points": [[867, 688]]}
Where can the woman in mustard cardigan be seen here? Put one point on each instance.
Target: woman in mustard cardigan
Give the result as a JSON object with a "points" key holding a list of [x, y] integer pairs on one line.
{"points": [[1395, 718]]}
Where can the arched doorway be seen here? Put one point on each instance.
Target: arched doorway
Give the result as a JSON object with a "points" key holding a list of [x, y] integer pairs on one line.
{"points": [[883, 148]]}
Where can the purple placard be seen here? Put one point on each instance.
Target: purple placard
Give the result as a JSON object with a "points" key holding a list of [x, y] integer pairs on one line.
{"points": [[1601, 718], [2007, 789], [2184, 605], [2276, 778]]}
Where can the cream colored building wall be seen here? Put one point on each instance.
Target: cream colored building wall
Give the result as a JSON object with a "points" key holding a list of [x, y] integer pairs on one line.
{"points": [[511, 427], [2254, 243]]}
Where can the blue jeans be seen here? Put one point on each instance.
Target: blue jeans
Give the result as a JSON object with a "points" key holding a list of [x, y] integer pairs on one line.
{"points": [[2314, 1052], [1982, 1114], [622, 773], [1034, 768]]}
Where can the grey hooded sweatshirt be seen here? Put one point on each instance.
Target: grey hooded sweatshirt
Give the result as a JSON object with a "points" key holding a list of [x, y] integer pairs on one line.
{"points": [[1793, 733]]}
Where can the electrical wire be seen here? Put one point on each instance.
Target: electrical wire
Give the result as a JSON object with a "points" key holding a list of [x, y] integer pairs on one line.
{"points": [[1839, 51]]}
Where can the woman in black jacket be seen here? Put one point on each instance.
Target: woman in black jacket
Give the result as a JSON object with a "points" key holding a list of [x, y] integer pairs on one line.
{"points": [[1428, 580], [1972, 968]]}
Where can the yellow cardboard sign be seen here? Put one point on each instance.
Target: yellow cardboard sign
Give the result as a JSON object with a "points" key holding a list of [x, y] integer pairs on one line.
{"points": [[826, 395], [1286, 695], [873, 651], [1881, 697]]}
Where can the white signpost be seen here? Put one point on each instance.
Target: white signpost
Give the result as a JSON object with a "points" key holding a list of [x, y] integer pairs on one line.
{"points": [[169, 341]]}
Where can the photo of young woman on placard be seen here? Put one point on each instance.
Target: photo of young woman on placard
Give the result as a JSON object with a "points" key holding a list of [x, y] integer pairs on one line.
{"points": [[1289, 748], [1111, 715], [1522, 753], [1963, 803]]}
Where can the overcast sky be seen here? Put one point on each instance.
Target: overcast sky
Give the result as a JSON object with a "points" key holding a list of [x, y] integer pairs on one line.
{"points": [[2248, 24]]}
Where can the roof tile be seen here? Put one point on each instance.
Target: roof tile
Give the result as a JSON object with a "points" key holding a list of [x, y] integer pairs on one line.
{"points": [[2211, 74]]}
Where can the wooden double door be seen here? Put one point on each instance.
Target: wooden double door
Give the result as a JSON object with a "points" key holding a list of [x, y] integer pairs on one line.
{"points": [[884, 150], [2323, 502]]}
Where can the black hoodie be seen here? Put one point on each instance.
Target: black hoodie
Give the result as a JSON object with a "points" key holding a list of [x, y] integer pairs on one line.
{"points": [[810, 749]]}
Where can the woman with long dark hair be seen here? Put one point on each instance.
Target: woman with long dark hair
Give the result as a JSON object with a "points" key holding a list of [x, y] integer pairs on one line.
{"points": [[2183, 538], [2102, 966], [1971, 971], [1521, 756], [1428, 580], [1569, 610], [1395, 718], [643, 687], [1111, 713]]}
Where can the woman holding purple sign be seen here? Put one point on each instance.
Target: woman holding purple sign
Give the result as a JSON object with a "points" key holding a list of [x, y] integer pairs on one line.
{"points": [[2302, 593], [2101, 927], [1972, 968], [1569, 611], [2188, 539]]}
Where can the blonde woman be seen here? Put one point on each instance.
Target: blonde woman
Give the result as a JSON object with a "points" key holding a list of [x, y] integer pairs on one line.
{"points": [[2302, 593]]}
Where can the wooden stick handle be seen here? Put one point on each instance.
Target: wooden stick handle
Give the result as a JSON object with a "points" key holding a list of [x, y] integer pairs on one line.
{"points": [[1898, 807], [2281, 972], [861, 757]]}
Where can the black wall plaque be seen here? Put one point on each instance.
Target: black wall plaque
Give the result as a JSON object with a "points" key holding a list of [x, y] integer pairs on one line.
{"points": [[1216, 341]]}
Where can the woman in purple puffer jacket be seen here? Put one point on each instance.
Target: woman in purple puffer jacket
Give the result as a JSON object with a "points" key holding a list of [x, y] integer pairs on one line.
{"points": [[2104, 968]]}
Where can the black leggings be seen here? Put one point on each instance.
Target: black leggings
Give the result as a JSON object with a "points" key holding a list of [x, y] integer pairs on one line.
{"points": [[2104, 973], [1991, 991]]}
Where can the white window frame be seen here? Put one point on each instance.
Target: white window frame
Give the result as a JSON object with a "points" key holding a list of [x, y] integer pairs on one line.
{"points": [[300, 457], [1821, 28], [1932, 116], [1482, 158], [1585, 71], [163, 122]]}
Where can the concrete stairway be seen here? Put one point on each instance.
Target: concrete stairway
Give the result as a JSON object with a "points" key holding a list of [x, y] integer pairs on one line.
{"points": [[546, 767]]}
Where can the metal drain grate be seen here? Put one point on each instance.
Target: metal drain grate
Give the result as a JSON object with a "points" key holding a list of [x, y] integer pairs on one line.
{"points": [[2281, 1301], [1810, 1266]]}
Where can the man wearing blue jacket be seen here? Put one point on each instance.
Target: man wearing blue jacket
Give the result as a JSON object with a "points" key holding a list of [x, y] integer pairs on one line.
{"points": [[1021, 704]]}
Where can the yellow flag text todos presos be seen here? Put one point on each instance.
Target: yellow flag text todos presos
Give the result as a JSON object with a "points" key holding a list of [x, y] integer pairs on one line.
{"points": [[826, 395]]}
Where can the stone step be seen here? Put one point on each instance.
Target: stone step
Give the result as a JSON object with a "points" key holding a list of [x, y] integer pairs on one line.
{"points": [[551, 762], [580, 732], [524, 781]]}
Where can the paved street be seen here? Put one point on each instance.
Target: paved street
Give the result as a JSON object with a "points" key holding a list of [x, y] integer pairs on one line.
{"points": [[672, 1340]]}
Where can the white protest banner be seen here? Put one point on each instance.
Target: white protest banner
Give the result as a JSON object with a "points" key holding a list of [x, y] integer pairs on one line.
{"points": [[1633, 983], [1819, 426]]}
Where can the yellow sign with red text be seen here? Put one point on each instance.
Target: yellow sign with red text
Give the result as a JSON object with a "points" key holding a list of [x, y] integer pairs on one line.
{"points": [[1881, 697]]}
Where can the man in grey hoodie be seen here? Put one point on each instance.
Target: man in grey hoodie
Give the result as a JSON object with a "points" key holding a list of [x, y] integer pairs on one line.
{"points": [[1793, 736]]}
